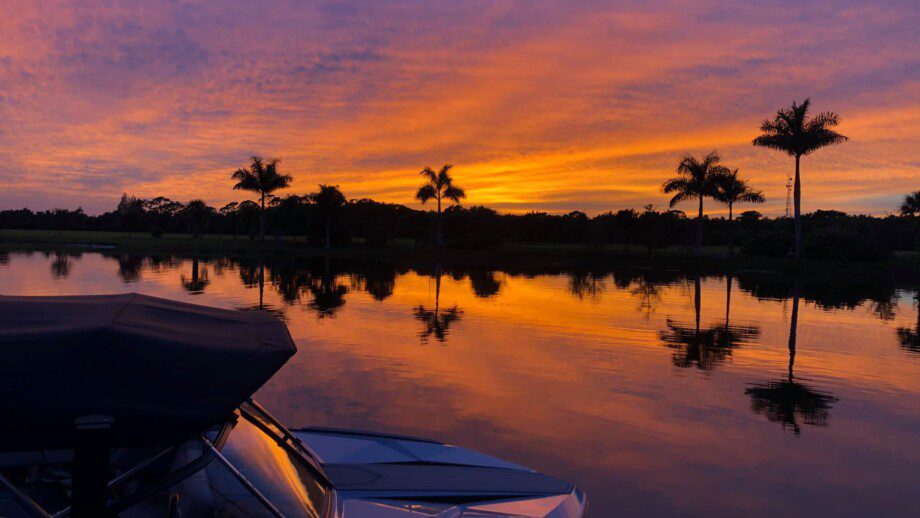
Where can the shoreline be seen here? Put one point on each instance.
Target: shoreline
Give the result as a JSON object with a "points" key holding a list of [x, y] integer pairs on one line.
{"points": [[525, 257]]}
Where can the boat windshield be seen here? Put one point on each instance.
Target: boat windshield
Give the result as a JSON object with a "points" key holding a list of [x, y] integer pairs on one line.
{"points": [[279, 472]]}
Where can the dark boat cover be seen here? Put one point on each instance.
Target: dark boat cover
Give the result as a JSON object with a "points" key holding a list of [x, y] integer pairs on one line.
{"points": [[164, 370]]}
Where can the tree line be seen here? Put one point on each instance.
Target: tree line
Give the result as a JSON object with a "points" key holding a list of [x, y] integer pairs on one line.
{"points": [[328, 218]]}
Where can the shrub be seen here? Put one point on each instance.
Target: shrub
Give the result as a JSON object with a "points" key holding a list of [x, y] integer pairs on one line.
{"points": [[767, 243], [828, 244], [842, 245]]}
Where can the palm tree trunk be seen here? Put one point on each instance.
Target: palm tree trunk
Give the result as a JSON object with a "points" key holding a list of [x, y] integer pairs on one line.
{"points": [[697, 295], [437, 289], [438, 234], [728, 297], [794, 322], [262, 220], [699, 229], [261, 282], [730, 233], [328, 242], [797, 201]]}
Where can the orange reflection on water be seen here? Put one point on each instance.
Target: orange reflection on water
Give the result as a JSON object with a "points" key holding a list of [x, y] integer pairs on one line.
{"points": [[580, 375]]}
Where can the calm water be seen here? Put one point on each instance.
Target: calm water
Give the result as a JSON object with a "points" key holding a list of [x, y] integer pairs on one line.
{"points": [[656, 393]]}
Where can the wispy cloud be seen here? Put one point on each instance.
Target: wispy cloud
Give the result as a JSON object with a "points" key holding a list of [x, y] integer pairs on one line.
{"points": [[542, 105]]}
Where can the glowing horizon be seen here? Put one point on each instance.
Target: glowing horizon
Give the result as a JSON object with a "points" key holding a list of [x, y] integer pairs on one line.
{"points": [[539, 105]]}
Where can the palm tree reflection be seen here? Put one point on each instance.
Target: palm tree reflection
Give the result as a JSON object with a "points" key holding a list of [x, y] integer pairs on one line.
{"points": [[910, 338], [198, 280], [60, 267], [705, 348], [787, 401], [436, 322]]}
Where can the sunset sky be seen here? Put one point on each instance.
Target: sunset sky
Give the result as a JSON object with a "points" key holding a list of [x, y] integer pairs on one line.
{"points": [[540, 105]]}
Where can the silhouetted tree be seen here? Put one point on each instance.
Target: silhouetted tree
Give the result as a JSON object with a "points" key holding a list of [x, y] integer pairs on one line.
{"points": [[731, 190], [228, 212], [911, 205], [329, 201], [697, 179], [794, 133], [263, 178], [439, 186], [197, 213]]}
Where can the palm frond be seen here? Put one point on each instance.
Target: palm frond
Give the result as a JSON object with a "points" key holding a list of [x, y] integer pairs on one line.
{"points": [[454, 193], [425, 193], [429, 173]]}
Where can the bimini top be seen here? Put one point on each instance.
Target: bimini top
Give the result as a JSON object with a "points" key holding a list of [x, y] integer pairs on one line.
{"points": [[164, 370]]}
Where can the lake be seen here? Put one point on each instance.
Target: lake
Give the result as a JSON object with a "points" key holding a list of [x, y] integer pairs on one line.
{"points": [[656, 392]]}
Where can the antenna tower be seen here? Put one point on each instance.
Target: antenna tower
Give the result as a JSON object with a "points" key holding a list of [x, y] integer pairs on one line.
{"points": [[788, 196]]}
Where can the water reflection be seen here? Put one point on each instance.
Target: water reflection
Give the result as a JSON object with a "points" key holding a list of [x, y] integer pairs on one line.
{"points": [[60, 266], [705, 348], [436, 322], [485, 284], [129, 267], [587, 285], [197, 281], [328, 293], [908, 338], [787, 401], [567, 371]]}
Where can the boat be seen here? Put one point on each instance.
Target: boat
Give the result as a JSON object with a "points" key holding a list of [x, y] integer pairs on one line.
{"points": [[136, 406]]}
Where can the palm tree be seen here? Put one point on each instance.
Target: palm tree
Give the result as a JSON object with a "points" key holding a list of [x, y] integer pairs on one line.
{"points": [[439, 186], [696, 179], [911, 205], [329, 201], [263, 178], [731, 190], [793, 132]]}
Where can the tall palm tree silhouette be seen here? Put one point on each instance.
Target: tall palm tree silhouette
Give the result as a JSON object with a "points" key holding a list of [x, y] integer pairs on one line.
{"points": [[436, 322], [198, 280], [796, 134], [787, 401], [696, 180], [731, 190], [261, 177], [439, 186]]}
